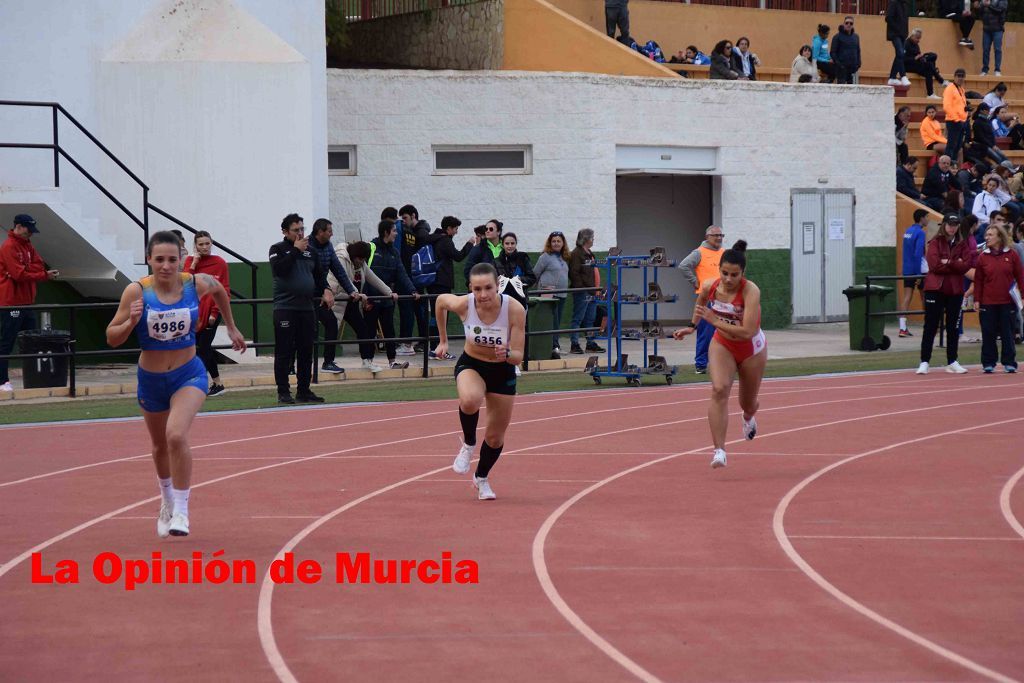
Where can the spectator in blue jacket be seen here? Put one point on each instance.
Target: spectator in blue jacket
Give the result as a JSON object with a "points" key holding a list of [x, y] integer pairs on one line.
{"points": [[914, 265], [386, 263], [846, 52], [905, 183], [821, 56], [321, 245]]}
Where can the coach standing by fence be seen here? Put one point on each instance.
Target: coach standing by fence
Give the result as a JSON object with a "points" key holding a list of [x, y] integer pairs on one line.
{"points": [[298, 280], [702, 265], [20, 270]]}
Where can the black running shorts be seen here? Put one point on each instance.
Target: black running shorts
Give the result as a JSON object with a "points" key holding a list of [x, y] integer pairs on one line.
{"points": [[499, 378]]}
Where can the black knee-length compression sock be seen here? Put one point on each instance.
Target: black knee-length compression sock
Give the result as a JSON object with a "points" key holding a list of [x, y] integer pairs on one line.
{"points": [[488, 456], [469, 427]]}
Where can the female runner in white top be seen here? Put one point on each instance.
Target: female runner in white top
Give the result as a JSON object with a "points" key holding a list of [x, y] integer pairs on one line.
{"points": [[495, 327]]}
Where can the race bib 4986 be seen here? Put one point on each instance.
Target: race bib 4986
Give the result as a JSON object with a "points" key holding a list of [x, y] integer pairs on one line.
{"points": [[168, 325]]}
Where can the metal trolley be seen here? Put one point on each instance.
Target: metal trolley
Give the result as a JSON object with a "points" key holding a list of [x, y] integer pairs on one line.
{"points": [[650, 331]]}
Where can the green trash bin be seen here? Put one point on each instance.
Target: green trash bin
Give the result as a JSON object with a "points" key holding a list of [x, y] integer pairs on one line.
{"points": [[539, 317], [882, 299]]}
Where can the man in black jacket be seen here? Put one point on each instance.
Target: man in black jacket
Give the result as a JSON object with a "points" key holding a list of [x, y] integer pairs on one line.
{"points": [[937, 183], [411, 233], [320, 244], [960, 12], [298, 280], [445, 255], [896, 31], [386, 263], [905, 183], [846, 52]]}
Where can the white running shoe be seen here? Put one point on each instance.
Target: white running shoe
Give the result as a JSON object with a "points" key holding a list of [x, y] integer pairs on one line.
{"points": [[461, 464], [163, 522], [894, 81], [483, 489], [405, 350], [935, 96], [519, 372], [719, 459], [904, 81], [749, 428], [956, 368], [371, 366], [6, 386], [922, 369], [179, 525]]}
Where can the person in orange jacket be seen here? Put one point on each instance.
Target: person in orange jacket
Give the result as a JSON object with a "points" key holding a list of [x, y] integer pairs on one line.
{"points": [[20, 270]]}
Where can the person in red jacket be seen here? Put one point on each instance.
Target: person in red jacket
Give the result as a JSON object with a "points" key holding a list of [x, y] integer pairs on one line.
{"points": [[209, 315], [998, 270], [948, 259], [20, 270]]}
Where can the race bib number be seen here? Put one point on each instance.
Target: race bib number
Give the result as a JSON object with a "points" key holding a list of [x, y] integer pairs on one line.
{"points": [[168, 325], [489, 336]]}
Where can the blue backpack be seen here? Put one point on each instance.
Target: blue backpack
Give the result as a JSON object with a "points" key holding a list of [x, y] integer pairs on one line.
{"points": [[424, 267]]}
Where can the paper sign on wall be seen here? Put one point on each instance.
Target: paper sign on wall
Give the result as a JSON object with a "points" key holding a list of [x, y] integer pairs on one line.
{"points": [[837, 229], [808, 233]]}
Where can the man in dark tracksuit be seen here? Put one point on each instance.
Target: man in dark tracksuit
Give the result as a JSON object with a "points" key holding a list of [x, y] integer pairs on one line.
{"points": [[321, 245], [411, 231], [386, 263], [445, 254], [298, 280]]}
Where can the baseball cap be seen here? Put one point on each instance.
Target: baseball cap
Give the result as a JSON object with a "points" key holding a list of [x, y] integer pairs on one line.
{"points": [[27, 221], [951, 218], [1008, 165]]}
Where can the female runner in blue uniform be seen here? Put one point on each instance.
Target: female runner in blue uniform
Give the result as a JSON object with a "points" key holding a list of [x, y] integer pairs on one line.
{"points": [[495, 327], [163, 309]]}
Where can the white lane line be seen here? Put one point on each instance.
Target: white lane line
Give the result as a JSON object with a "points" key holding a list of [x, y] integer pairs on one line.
{"points": [[567, 481], [778, 526], [1004, 503], [283, 517], [1012, 539], [581, 394], [264, 620], [540, 564]]}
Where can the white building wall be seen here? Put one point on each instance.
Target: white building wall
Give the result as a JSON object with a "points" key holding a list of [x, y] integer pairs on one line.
{"points": [[222, 169], [771, 137]]}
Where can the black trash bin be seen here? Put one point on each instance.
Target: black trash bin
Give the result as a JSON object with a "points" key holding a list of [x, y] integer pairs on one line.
{"points": [[44, 370]]}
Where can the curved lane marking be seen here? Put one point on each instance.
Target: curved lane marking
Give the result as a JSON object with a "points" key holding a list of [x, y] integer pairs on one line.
{"points": [[1004, 503]]}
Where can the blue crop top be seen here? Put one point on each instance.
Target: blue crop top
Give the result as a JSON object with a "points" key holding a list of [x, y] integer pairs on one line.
{"points": [[167, 327]]}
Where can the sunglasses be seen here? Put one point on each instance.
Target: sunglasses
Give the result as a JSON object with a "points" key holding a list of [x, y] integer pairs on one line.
{"points": [[848, 23], [556, 234]]}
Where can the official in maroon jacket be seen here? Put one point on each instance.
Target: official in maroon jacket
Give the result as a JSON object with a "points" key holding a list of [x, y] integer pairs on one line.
{"points": [[20, 270], [998, 270], [949, 257]]}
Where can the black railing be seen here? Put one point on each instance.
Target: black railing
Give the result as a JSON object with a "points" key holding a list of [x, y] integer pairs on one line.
{"points": [[143, 220], [73, 354], [869, 314]]}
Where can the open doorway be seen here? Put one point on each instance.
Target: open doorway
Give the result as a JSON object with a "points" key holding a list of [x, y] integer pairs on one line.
{"points": [[670, 211]]}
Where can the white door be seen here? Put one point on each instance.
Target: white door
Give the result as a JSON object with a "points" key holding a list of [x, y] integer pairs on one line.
{"points": [[822, 250]]}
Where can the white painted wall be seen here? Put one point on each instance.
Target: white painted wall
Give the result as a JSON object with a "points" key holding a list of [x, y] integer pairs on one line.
{"points": [[229, 132], [771, 137]]}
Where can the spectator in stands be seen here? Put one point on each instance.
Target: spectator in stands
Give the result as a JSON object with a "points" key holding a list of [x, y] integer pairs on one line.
{"points": [[969, 178], [203, 261], [487, 250], [321, 245], [937, 183], [993, 20], [997, 271], [931, 131], [512, 263], [20, 270], [987, 201], [616, 13], [996, 101], [953, 203], [896, 31], [902, 123], [914, 264], [984, 144], [552, 271], [846, 52], [743, 61], [299, 278], [905, 183], [695, 56], [446, 255], [581, 274], [386, 263], [803, 66], [721, 63], [960, 12], [922, 63], [360, 314], [954, 106], [411, 233], [820, 56]]}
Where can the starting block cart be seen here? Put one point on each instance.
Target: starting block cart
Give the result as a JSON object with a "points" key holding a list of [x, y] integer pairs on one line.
{"points": [[650, 331]]}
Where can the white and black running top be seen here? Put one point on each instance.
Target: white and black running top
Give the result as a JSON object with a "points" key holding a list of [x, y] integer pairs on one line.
{"points": [[487, 334]]}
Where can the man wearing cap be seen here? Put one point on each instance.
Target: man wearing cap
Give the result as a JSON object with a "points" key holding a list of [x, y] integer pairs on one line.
{"points": [[20, 270], [954, 105], [698, 267]]}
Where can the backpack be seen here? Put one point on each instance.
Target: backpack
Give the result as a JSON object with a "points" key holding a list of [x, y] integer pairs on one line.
{"points": [[424, 267]]}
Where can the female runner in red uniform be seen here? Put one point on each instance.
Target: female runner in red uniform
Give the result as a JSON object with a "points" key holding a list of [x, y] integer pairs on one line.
{"points": [[732, 304]]}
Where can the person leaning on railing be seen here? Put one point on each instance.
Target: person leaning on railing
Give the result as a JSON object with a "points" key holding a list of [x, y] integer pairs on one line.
{"points": [[552, 271], [203, 261]]}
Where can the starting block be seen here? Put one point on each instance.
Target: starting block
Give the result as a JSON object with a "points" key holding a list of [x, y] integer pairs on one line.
{"points": [[657, 365], [590, 366]]}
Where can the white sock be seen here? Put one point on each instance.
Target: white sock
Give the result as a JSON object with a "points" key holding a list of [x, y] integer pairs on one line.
{"points": [[903, 323], [165, 489], [181, 501]]}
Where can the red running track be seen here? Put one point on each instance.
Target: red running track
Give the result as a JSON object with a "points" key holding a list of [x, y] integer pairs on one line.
{"points": [[871, 532]]}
